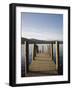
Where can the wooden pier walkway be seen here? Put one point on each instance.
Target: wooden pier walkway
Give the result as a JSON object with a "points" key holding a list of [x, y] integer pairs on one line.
{"points": [[43, 64]]}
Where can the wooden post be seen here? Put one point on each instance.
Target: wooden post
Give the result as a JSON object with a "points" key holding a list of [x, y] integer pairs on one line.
{"points": [[57, 56], [26, 57], [48, 49], [37, 49], [51, 51], [42, 49], [33, 52]]}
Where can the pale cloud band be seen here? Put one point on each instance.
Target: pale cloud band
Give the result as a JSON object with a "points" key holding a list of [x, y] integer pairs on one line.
{"points": [[42, 36]]}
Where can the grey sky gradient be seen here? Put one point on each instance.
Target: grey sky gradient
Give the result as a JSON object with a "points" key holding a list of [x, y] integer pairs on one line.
{"points": [[42, 26]]}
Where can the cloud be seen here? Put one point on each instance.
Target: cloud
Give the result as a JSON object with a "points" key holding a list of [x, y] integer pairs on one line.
{"points": [[42, 35]]}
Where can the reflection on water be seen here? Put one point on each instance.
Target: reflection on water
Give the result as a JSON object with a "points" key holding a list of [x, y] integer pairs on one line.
{"points": [[40, 48]]}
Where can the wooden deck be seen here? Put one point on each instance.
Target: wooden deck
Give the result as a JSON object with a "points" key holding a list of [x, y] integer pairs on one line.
{"points": [[43, 63]]}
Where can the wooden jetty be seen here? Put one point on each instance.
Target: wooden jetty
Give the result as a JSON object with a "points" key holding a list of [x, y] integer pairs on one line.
{"points": [[42, 62]]}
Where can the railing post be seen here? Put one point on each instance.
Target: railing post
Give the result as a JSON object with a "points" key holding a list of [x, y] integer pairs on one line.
{"points": [[51, 51], [33, 52], [57, 56], [36, 48], [26, 57], [42, 49]]}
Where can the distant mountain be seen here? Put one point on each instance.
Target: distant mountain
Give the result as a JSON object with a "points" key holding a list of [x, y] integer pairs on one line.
{"points": [[32, 39], [37, 41]]}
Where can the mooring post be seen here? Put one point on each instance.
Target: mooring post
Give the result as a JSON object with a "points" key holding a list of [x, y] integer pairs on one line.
{"points": [[42, 49], [48, 49], [33, 52], [51, 51], [37, 49], [57, 56], [26, 57]]}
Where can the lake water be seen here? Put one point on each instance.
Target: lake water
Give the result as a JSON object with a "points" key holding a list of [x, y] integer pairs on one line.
{"points": [[40, 49]]}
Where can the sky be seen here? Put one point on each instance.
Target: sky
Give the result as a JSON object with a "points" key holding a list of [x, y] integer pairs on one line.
{"points": [[42, 26]]}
